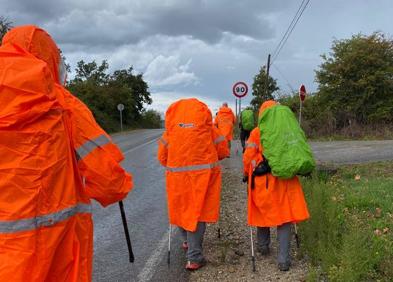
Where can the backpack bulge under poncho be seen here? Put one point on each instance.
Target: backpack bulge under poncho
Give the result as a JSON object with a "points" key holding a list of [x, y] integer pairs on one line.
{"points": [[284, 143]]}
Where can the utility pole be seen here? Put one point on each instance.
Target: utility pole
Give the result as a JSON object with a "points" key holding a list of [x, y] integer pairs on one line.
{"points": [[267, 75]]}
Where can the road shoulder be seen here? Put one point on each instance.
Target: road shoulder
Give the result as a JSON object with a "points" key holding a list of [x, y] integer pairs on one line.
{"points": [[230, 256]]}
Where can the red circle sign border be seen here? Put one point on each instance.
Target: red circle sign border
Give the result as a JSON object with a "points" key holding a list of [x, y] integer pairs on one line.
{"points": [[234, 87], [302, 92]]}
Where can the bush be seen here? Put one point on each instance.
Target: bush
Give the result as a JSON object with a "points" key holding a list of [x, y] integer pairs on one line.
{"points": [[349, 235], [102, 92], [355, 91], [151, 119], [319, 122]]}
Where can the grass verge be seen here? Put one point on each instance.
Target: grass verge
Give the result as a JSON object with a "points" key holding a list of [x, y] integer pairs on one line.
{"points": [[350, 234]]}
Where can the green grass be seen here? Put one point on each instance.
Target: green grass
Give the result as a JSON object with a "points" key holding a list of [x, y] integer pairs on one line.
{"points": [[350, 234]]}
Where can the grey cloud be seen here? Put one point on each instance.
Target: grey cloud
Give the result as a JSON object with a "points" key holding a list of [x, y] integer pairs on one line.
{"points": [[208, 22], [225, 40], [125, 22]]}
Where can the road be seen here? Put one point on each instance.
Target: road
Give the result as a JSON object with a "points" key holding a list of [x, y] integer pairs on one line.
{"points": [[353, 152], [147, 213], [147, 217]]}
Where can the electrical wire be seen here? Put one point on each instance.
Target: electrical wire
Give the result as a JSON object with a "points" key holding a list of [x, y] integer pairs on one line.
{"points": [[284, 77], [290, 29]]}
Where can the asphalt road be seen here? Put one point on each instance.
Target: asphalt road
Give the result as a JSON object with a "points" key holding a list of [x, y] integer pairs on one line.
{"points": [[147, 212], [353, 152]]}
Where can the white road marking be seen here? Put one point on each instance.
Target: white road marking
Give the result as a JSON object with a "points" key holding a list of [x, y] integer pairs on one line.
{"points": [[151, 265], [141, 145]]}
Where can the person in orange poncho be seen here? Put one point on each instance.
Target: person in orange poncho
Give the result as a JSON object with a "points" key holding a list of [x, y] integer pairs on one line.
{"points": [[54, 160], [190, 149], [225, 120], [273, 201]]}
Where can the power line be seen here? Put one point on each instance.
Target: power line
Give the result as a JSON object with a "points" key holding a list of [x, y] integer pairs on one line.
{"points": [[284, 77], [293, 27], [290, 29]]}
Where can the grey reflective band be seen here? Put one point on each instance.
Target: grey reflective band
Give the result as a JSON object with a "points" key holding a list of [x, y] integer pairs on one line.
{"points": [[186, 125], [192, 167], [90, 145], [11, 226], [253, 163], [219, 139], [163, 142], [251, 145]]}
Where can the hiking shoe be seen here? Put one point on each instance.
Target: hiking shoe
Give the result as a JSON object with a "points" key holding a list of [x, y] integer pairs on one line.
{"points": [[284, 266], [185, 246], [265, 251], [192, 266]]}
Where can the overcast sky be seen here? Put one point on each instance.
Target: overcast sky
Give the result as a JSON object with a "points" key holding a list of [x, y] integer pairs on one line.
{"points": [[199, 48]]}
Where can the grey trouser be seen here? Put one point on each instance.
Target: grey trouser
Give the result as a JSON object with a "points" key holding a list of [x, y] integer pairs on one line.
{"points": [[194, 241], [244, 135], [283, 237]]}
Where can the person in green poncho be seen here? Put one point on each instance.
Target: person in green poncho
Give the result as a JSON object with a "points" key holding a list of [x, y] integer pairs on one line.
{"points": [[246, 124]]}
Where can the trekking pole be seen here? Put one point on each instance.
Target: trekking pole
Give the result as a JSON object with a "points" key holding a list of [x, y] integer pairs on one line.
{"points": [[169, 245], [252, 251], [218, 230], [296, 236], [128, 239]]}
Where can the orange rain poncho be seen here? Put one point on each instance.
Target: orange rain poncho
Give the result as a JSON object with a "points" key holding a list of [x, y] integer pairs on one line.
{"points": [[225, 119], [273, 201], [190, 149], [54, 159]]}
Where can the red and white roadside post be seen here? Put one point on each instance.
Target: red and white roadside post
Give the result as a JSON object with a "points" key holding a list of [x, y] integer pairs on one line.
{"points": [[302, 97], [240, 90]]}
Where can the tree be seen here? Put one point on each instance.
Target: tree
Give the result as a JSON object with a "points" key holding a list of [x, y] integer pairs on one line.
{"points": [[356, 79], [102, 92], [259, 88], [136, 87], [91, 71], [5, 25], [151, 119]]}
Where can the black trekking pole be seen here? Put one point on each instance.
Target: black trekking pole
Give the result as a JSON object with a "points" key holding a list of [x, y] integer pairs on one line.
{"points": [[218, 230], [168, 259], [296, 236], [128, 239]]}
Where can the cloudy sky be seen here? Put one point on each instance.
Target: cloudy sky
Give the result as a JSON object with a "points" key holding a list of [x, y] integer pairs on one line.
{"points": [[199, 48]]}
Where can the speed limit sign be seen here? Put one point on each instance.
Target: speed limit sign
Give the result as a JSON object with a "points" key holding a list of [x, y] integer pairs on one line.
{"points": [[240, 89]]}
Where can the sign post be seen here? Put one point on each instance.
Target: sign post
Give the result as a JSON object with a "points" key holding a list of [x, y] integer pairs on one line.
{"points": [[302, 97], [120, 107], [240, 90], [236, 112]]}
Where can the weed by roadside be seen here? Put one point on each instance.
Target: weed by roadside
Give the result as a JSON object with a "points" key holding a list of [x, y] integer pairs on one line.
{"points": [[350, 234]]}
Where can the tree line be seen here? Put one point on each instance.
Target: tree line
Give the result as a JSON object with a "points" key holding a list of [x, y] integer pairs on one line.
{"points": [[355, 93], [102, 91], [354, 96]]}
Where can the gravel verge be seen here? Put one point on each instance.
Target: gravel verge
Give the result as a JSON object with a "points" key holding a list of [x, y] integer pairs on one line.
{"points": [[229, 257]]}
